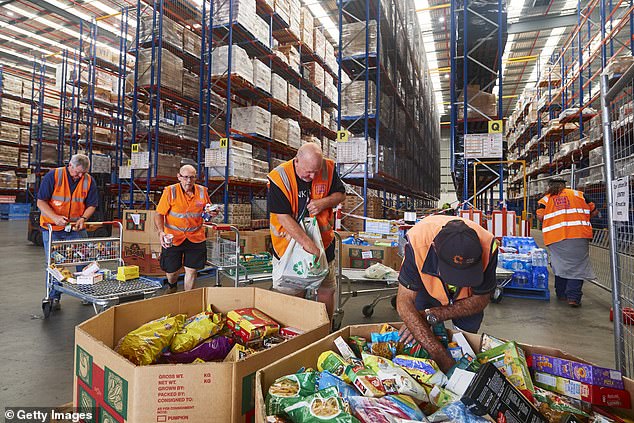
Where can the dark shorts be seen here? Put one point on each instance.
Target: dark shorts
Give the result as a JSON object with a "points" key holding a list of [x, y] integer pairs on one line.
{"points": [[188, 254]]}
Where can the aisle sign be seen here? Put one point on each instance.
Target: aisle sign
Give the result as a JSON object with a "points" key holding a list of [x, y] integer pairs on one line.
{"points": [[621, 192], [355, 150], [342, 136], [482, 146], [140, 160], [215, 155], [224, 142], [495, 126], [135, 148]]}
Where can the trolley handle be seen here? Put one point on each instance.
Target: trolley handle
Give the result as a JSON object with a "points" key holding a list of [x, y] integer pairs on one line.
{"points": [[221, 227]]}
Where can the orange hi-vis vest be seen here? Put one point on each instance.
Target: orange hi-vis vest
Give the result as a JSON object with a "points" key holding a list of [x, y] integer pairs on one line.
{"points": [[184, 219], [421, 237], [566, 216], [284, 177], [65, 203]]}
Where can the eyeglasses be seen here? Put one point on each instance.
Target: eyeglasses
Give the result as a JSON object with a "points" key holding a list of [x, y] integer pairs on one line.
{"points": [[188, 177]]}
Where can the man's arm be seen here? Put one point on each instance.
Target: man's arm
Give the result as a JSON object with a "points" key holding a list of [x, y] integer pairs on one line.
{"points": [[462, 308], [418, 327], [48, 211], [159, 222], [81, 221], [292, 229], [316, 206]]}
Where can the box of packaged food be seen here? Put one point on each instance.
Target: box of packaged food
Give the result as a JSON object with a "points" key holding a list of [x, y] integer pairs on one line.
{"points": [[251, 323], [574, 370], [597, 395], [511, 361]]}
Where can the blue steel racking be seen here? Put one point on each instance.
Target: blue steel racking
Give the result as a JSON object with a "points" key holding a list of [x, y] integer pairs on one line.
{"points": [[471, 61], [380, 66]]}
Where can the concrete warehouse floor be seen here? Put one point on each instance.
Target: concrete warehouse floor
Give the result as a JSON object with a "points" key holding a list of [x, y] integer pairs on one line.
{"points": [[36, 355]]}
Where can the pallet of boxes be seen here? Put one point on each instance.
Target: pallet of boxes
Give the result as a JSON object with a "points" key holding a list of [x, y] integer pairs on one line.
{"points": [[188, 356], [365, 374]]}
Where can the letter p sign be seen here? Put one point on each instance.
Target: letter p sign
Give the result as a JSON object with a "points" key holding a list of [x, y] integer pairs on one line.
{"points": [[342, 136]]}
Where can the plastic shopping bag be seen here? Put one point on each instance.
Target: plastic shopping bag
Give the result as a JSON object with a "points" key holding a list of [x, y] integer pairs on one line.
{"points": [[297, 269]]}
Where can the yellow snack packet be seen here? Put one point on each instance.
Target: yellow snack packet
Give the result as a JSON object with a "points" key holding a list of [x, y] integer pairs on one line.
{"points": [[334, 363], [197, 328], [144, 345]]}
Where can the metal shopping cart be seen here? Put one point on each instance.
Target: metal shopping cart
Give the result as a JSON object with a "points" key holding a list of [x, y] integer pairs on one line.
{"points": [[382, 289], [504, 277], [106, 252], [223, 252]]}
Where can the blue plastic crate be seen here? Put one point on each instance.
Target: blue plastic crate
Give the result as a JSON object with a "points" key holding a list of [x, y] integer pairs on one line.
{"points": [[15, 208]]}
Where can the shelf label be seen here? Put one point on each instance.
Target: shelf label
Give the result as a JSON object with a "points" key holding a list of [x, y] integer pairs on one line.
{"points": [[224, 142], [481, 146], [28, 172], [353, 151], [495, 126], [135, 148], [621, 192], [140, 160], [215, 156], [342, 136]]}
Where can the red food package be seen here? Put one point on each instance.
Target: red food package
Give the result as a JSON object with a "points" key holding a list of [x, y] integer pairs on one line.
{"points": [[250, 323]]}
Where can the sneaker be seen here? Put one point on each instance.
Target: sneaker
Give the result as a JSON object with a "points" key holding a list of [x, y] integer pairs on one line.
{"points": [[56, 304], [574, 304]]}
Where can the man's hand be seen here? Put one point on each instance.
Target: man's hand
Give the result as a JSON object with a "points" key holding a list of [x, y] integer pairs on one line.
{"points": [[79, 225], [312, 248], [164, 242], [315, 207], [406, 336], [60, 220]]}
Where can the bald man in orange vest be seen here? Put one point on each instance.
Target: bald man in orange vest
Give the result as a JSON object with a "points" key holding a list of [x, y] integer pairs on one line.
{"points": [[448, 273], [306, 185]]}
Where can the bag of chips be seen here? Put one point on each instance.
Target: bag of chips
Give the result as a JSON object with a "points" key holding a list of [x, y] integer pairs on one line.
{"points": [[251, 323], [327, 379], [324, 406], [395, 380], [144, 345], [196, 329], [334, 363], [366, 381], [389, 409], [358, 344], [212, 349], [288, 390], [422, 369]]}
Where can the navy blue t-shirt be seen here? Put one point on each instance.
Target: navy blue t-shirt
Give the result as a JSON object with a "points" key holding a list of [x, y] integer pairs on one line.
{"points": [[47, 186]]}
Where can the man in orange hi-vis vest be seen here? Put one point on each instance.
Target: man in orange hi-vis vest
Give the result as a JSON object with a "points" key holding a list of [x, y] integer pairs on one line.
{"points": [[306, 185], [565, 214], [448, 273], [67, 198], [179, 220]]}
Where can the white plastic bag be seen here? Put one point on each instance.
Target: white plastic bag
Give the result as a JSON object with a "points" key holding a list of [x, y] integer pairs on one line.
{"points": [[298, 270]]}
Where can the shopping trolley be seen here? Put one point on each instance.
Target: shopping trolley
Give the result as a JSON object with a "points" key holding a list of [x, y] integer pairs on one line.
{"points": [[503, 277], [106, 252], [383, 289], [223, 252]]}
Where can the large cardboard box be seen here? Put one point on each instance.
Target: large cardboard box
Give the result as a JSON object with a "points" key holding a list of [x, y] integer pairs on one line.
{"points": [[138, 227], [145, 255], [364, 256], [307, 357], [251, 242], [216, 391]]}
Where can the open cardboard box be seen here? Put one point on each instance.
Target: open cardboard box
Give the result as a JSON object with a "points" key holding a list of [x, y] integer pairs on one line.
{"points": [[215, 391], [307, 357]]}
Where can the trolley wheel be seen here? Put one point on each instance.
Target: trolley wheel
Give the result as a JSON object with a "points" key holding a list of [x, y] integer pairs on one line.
{"points": [[368, 310], [496, 296], [47, 306], [337, 319], [393, 302]]}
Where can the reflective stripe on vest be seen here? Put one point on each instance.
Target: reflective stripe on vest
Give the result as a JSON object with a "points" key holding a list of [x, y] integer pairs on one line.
{"points": [[566, 216], [566, 211], [176, 228], [564, 224], [64, 202]]}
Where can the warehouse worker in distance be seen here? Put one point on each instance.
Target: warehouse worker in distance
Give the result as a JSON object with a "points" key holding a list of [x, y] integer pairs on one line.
{"points": [[448, 273], [565, 215], [67, 198], [180, 224], [306, 185]]}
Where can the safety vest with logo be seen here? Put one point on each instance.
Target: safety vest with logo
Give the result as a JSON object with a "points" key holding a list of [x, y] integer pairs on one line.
{"points": [[65, 203], [421, 237], [184, 219], [566, 216], [283, 176]]}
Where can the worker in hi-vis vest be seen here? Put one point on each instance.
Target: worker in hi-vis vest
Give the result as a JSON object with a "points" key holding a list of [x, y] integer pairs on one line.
{"points": [[307, 185], [179, 220], [448, 273], [565, 215], [67, 198]]}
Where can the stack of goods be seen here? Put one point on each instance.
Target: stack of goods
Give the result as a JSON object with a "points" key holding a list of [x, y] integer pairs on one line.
{"points": [[484, 102], [279, 129], [242, 11], [354, 36], [204, 337], [171, 70], [528, 262], [240, 161], [191, 85], [191, 42], [251, 120], [261, 76], [279, 88], [241, 64], [353, 98], [8, 180], [171, 32], [86, 251], [381, 379]]}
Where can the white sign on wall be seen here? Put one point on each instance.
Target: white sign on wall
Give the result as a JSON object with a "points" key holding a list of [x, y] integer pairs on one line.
{"points": [[483, 146], [621, 192]]}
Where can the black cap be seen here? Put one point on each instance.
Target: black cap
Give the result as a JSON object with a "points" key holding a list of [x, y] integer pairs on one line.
{"points": [[460, 255], [557, 181]]}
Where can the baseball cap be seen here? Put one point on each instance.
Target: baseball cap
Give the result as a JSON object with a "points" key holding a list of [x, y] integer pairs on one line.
{"points": [[460, 254]]}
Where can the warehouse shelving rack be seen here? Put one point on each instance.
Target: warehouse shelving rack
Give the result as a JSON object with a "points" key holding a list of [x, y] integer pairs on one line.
{"points": [[396, 60], [472, 63]]}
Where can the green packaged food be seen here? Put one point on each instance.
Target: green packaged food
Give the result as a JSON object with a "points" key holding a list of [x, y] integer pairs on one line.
{"points": [[287, 390], [366, 381], [358, 344], [395, 380], [324, 406], [334, 363]]}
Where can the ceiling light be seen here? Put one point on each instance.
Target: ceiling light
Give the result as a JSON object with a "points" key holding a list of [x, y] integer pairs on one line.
{"points": [[441, 19]]}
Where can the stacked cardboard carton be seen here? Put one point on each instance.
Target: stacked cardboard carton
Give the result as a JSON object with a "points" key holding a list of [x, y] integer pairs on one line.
{"points": [[251, 120], [261, 75], [241, 64], [171, 69], [141, 243]]}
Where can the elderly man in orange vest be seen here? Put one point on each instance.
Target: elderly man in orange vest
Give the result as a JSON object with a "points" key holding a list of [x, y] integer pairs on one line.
{"points": [[566, 214], [67, 198], [306, 185], [448, 273], [179, 220]]}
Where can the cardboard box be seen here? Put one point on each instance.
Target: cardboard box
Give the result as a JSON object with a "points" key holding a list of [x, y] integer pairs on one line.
{"points": [[251, 242], [362, 257], [597, 395], [218, 391], [491, 393], [145, 255], [581, 372], [138, 226], [511, 361]]}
